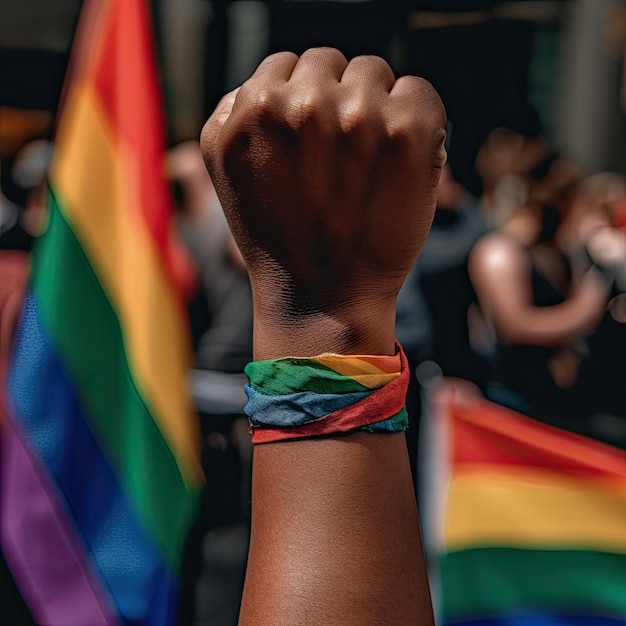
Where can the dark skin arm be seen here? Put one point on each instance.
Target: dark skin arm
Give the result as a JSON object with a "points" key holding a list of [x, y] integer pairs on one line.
{"points": [[328, 171]]}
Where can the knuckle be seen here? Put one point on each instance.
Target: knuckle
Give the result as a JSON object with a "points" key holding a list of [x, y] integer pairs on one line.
{"points": [[278, 58], [264, 102], [358, 118], [400, 134], [305, 109], [323, 53], [416, 113], [410, 132], [419, 93], [259, 102], [420, 85], [372, 61]]}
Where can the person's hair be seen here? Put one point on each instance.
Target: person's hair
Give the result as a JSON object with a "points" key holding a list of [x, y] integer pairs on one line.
{"points": [[508, 152]]}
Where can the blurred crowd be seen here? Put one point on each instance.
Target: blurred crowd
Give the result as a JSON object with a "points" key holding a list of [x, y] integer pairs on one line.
{"points": [[520, 288], [521, 291]]}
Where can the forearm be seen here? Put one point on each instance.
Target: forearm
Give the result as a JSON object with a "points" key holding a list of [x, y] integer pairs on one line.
{"points": [[556, 325], [332, 514], [335, 535]]}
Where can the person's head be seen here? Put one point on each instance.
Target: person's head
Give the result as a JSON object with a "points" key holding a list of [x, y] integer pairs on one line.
{"points": [[523, 175], [506, 153], [603, 193], [504, 164], [551, 188], [554, 180], [597, 202], [185, 167]]}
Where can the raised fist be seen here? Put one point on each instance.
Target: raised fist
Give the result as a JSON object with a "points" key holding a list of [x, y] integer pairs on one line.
{"points": [[327, 172]]}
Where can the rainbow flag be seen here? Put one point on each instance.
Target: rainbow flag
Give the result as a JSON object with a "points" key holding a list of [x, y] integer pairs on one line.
{"points": [[100, 455], [533, 527]]}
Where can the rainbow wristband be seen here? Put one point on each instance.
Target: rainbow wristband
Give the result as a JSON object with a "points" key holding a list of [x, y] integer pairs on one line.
{"points": [[294, 398]]}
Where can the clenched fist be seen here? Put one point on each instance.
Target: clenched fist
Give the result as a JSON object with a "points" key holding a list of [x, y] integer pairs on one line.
{"points": [[327, 172]]}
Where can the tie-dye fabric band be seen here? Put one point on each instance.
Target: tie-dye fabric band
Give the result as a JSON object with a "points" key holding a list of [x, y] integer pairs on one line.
{"points": [[293, 398]]}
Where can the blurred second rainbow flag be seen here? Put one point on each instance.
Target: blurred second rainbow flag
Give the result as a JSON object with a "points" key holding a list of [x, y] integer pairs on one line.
{"points": [[100, 455], [531, 523]]}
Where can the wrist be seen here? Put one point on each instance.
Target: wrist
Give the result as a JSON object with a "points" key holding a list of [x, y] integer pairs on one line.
{"points": [[357, 329]]}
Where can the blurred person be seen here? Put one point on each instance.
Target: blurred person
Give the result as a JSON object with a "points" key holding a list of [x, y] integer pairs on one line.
{"points": [[598, 202], [20, 222], [434, 305], [595, 217], [330, 204], [508, 162], [540, 304], [23, 194], [621, 214], [222, 344], [221, 320], [440, 274]]}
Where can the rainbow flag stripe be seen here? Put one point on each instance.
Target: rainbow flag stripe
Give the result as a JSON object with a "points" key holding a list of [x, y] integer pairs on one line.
{"points": [[535, 523], [100, 463]]}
